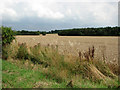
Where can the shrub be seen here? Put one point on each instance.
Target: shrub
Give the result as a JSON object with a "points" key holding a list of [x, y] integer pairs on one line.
{"points": [[10, 51], [7, 35], [35, 54], [7, 38], [5, 52], [23, 52]]}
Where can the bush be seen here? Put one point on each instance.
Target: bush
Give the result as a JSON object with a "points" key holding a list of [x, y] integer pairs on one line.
{"points": [[4, 52], [7, 35], [23, 52], [7, 38]]}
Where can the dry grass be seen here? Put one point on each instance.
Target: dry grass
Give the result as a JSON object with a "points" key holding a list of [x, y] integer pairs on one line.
{"points": [[63, 67], [106, 47]]}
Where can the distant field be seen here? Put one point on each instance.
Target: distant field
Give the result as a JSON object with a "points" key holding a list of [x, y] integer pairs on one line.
{"points": [[105, 46]]}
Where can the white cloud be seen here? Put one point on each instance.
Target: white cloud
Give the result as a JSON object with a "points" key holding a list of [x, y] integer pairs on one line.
{"points": [[9, 14], [106, 13], [43, 11], [31, 8], [101, 12]]}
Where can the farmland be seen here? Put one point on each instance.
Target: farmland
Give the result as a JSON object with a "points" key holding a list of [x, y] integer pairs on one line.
{"points": [[52, 61], [106, 47], [59, 44]]}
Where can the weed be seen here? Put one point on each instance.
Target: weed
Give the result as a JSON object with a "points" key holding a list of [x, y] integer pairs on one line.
{"points": [[88, 55], [23, 52]]}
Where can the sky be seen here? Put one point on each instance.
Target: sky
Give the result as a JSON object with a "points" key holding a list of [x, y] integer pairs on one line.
{"points": [[46, 15]]}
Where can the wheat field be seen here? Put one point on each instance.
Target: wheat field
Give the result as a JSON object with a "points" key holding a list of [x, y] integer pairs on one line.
{"points": [[106, 47]]}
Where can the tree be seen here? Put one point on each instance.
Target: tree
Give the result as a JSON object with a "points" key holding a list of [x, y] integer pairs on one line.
{"points": [[43, 33]]}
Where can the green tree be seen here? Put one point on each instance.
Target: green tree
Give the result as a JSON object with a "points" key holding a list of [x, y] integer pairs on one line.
{"points": [[43, 33]]}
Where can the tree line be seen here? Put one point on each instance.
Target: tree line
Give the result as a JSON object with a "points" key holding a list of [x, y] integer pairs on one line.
{"points": [[24, 32], [106, 31], [53, 32], [102, 31]]}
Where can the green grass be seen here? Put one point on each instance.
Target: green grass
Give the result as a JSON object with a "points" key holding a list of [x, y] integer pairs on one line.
{"points": [[14, 76], [0, 74]]}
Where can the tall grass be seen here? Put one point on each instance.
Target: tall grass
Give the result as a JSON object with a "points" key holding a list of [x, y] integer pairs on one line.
{"points": [[22, 52], [64, 68]]}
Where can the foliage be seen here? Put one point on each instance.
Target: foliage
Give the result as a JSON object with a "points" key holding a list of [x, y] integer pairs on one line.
{"points": [[53, 32], [23, 52], [43, 33], [24, 32], [106, 31], [7, 38], [5, 52], [101, 31], [7, 35]]}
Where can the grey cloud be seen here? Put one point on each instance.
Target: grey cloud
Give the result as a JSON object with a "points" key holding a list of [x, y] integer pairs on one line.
{"points": [[76, 14]]}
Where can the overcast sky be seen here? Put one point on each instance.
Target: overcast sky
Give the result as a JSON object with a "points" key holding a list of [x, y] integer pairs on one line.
{"points": [[58, 14]]}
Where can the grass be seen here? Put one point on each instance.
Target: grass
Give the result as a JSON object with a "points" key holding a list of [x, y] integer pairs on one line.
{"points": [[20, 77], [16, 77], [0, 74], [44, 67]]}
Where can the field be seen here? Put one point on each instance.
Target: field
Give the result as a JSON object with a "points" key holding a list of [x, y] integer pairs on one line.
{"points": [[105, 47], [53, 61]]}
